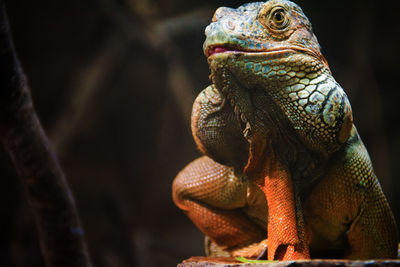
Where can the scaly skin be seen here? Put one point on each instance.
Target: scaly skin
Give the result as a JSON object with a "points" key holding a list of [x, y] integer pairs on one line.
{"points": [[285, 171]]}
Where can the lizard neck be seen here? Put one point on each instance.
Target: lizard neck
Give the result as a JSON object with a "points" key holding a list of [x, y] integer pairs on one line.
{"points": [[292, 108]]}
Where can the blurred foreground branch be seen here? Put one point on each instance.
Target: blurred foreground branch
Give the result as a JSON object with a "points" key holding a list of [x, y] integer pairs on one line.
{"points": [[60, 233]]}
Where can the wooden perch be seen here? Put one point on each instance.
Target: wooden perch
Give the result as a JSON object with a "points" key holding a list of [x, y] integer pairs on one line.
{"points": [[60, 233], [231, 262]]}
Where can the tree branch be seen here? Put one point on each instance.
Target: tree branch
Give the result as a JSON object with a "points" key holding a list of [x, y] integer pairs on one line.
{"points": [[61, 236]]}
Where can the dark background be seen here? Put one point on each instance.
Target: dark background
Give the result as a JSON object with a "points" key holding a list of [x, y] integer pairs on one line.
{"points": [[113, 82]]}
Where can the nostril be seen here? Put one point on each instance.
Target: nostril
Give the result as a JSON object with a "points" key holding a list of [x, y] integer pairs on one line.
{"points": [[230, 25]]}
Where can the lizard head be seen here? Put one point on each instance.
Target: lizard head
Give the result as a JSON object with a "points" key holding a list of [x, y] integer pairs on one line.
{"points": [[266, 61], [273, 26]]}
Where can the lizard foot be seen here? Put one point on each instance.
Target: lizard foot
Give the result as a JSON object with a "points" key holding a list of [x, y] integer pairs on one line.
{"points": [[257, 250]]}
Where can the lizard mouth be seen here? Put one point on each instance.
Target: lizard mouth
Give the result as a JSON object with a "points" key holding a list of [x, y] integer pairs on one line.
{"points": [[224, 48], [216, 49], [273, 51]]}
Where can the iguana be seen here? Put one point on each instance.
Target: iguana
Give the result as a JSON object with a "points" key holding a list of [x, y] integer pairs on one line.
{"points": [[284, 170]]}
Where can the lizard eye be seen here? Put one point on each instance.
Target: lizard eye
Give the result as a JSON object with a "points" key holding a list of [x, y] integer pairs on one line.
{"points": [[279, 19]]}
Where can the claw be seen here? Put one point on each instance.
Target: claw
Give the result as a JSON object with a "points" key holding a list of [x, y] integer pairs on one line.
{"points": [[246, 131], [264, 254]]}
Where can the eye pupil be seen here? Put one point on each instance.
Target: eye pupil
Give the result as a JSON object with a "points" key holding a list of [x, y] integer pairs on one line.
{"points": [[278, 17]]}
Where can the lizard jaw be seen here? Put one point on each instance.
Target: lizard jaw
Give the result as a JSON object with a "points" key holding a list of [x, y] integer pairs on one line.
{"points": [[215, 49]]}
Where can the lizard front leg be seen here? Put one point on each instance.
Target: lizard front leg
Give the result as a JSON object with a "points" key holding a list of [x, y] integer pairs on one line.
{"points": [[373, 230], [224, 206], [347, 209], [288, 235]]}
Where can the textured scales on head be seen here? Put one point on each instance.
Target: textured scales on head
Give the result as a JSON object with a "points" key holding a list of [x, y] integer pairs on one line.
{"points": [[251, 27], [265, 59]]}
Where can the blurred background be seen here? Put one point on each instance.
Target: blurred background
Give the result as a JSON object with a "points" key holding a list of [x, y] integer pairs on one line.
{"points": [[113, 82]]}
